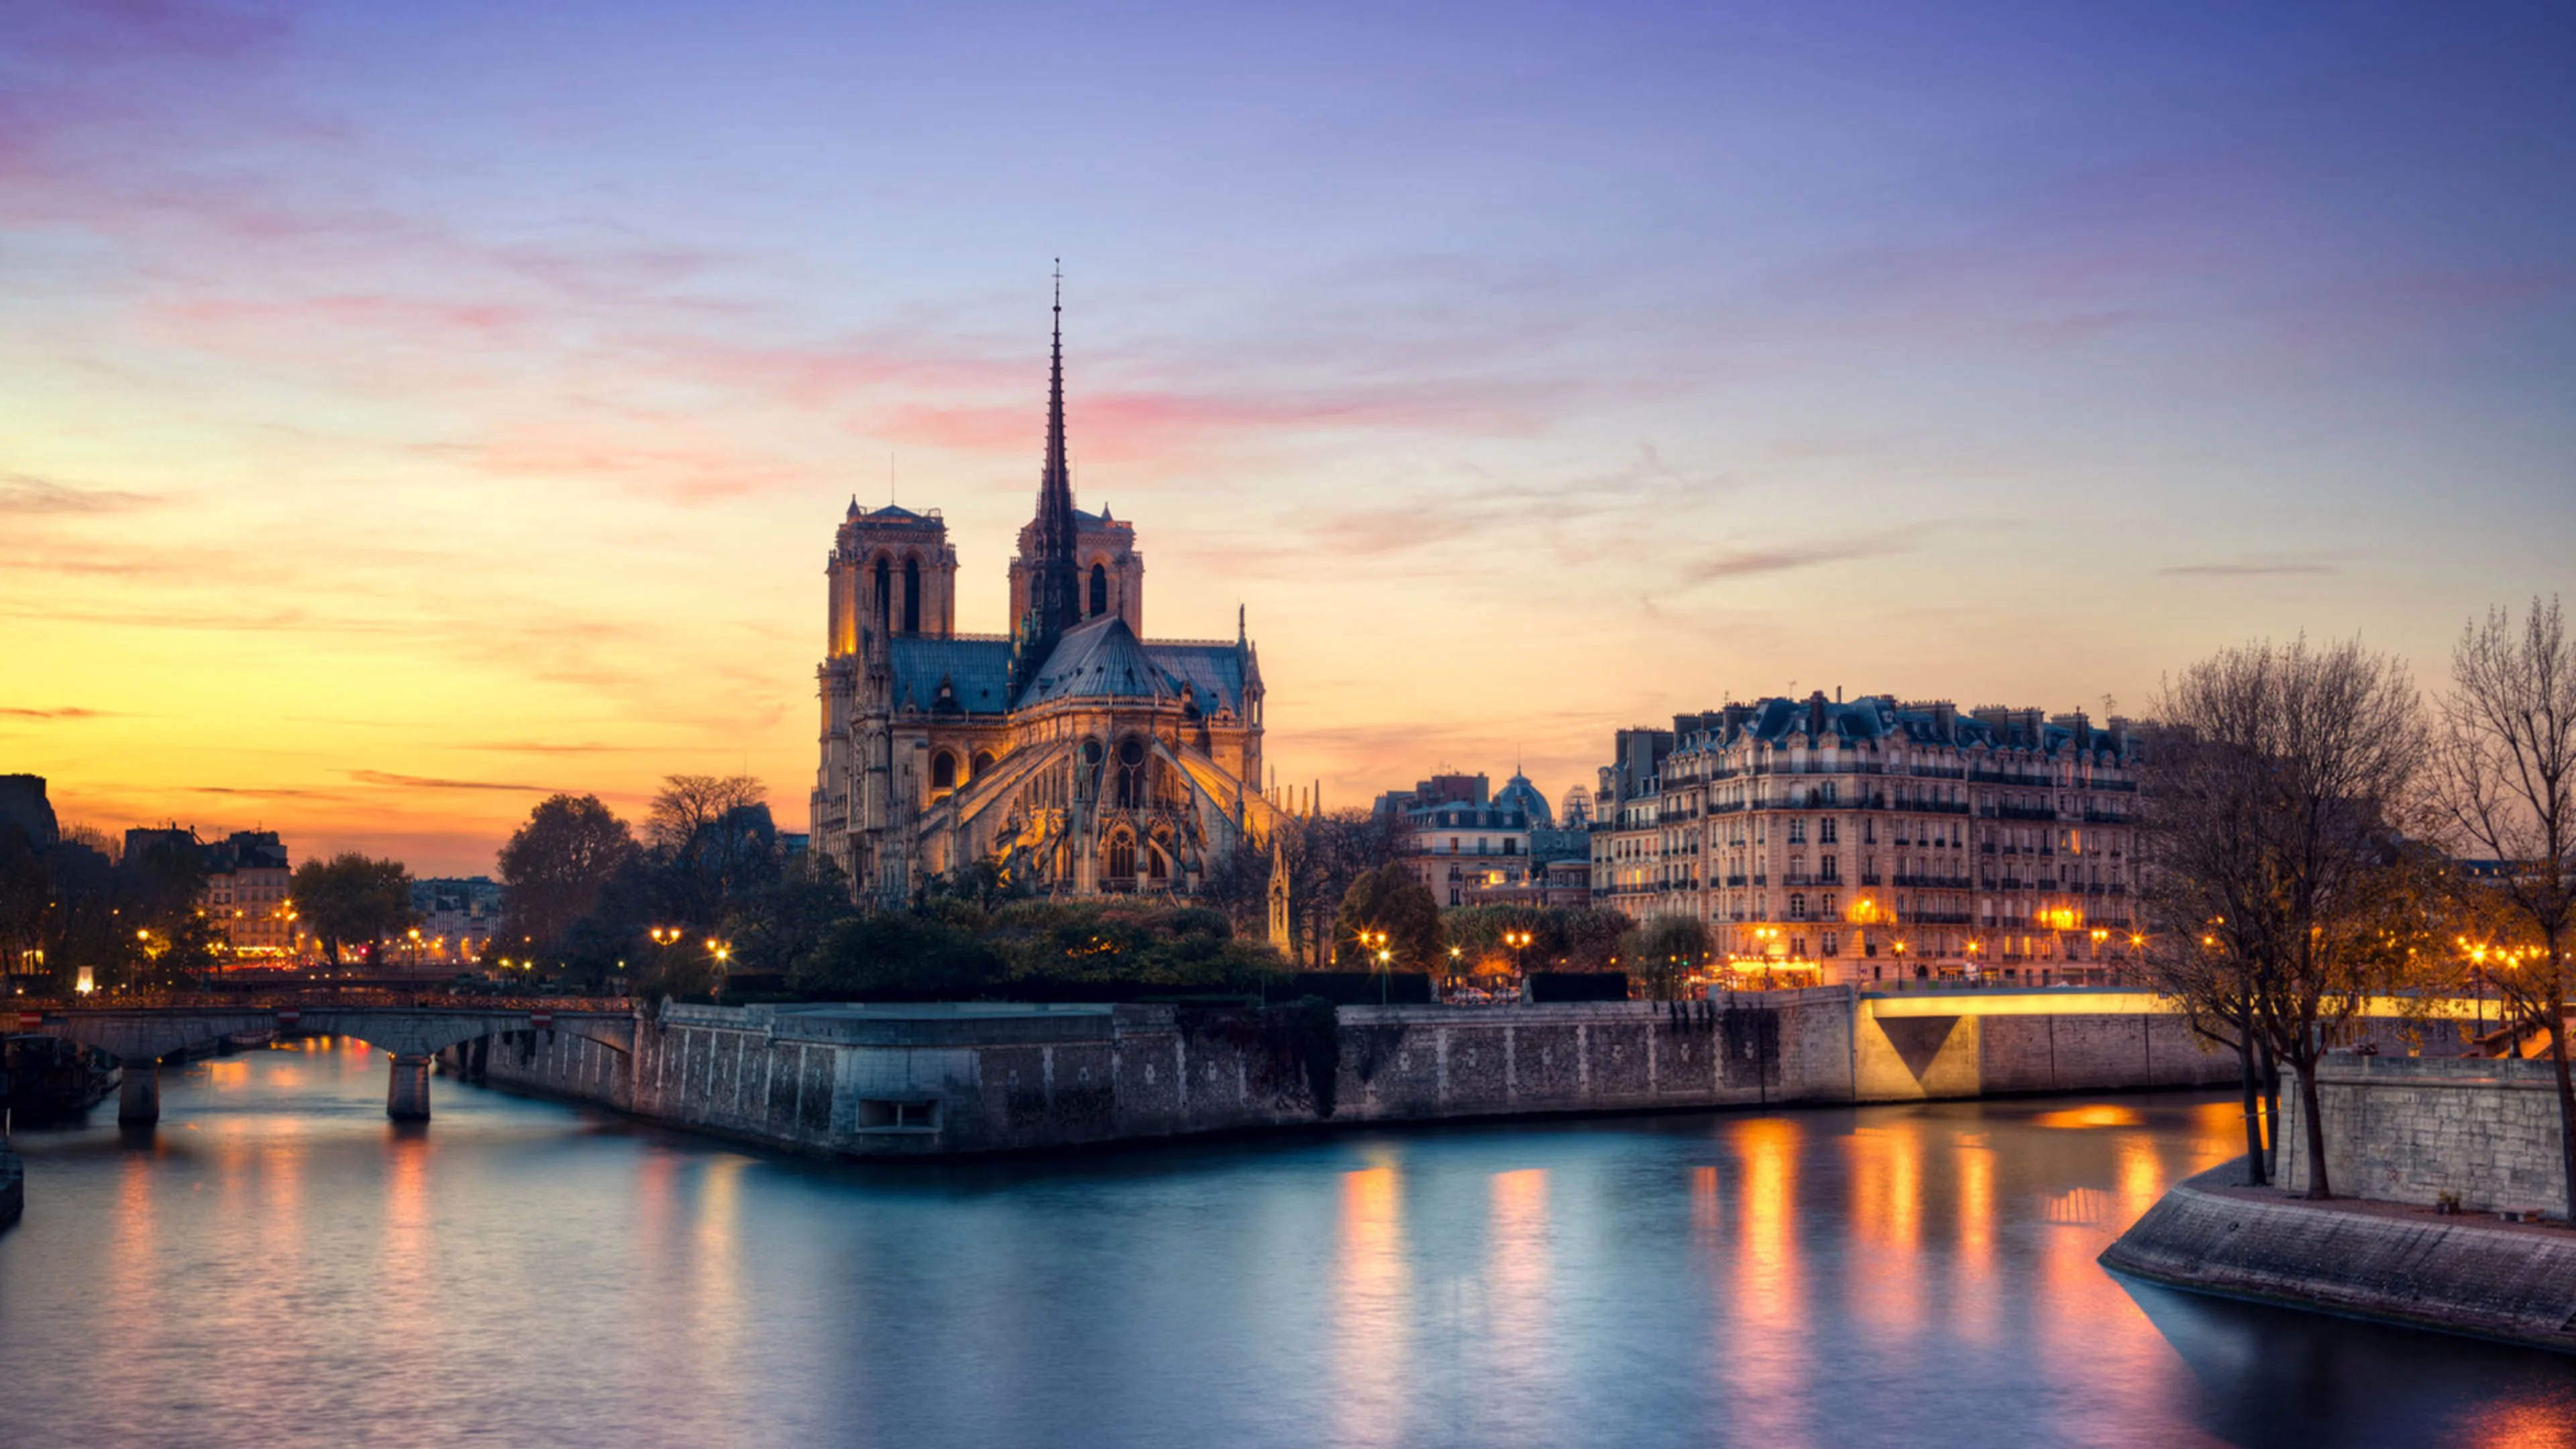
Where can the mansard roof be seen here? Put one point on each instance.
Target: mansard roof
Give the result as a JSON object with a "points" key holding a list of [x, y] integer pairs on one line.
{"points": [[1876, 717]]}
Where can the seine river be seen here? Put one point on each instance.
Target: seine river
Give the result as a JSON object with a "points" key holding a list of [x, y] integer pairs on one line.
{"points": [[280, 1265]]}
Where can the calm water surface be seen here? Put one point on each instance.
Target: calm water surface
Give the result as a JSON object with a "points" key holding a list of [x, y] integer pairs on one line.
{"points": [[279, 1265]]}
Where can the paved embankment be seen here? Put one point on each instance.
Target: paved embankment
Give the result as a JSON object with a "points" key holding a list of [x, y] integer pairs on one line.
{"points": [[13, 1187], [2386, 1261]]}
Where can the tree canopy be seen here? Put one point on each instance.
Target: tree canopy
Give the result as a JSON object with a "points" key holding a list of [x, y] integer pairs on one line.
{"points": [[351, 899]]}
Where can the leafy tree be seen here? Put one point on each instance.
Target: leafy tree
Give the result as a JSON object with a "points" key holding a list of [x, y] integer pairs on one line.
{"points": [[786, 919], [2505, 781], [1664, 951], [898, 952], [351, 899], [1391, 901], [557, 863]]}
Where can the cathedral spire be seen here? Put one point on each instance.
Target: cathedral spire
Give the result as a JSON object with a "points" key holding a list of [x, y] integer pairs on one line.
{"points": [[1055, 584], [1055, 486]]}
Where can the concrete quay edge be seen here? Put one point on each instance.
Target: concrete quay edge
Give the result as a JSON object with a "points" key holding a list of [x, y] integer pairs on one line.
{"points": [[13, 1187], [2379, 1262]]}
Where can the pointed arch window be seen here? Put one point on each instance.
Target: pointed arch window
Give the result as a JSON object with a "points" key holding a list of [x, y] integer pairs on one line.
{"points": [[912, 596], [1099, 591], [885, 593], [1130, 785], [1122, 861]]}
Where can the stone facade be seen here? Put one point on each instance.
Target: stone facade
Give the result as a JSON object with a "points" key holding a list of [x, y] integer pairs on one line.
{"points": [[2407, 1129]]}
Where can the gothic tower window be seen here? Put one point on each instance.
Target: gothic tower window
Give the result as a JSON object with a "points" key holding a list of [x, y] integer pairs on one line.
{"points": [[1099, 590], [943, 771], [912, 596], [1122, 860], [885, 592]]}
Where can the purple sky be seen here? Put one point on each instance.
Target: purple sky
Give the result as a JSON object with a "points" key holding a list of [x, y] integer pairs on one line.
{"points": [[405, 408]]}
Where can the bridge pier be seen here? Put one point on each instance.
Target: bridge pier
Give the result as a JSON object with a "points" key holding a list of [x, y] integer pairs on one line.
{"points": [[138, 1100], [407, 1100]]}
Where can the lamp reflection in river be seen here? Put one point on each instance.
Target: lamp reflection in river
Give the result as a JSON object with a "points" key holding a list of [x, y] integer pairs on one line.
{"points": [[1371, 1303], [1886, 1215], [1770, 1368], [1517, 1276], [1972, 1289]]}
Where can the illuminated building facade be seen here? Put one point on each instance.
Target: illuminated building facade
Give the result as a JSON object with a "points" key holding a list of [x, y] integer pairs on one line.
{"points": [[1078, 756], [246, 892], [1875, 840], [1469, 845]]}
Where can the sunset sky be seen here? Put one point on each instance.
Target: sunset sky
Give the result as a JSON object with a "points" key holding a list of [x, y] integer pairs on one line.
{"points": [[409, 409]]}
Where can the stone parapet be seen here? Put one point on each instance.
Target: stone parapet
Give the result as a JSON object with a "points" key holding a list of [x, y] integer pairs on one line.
{"points": [[2410, 1129]]}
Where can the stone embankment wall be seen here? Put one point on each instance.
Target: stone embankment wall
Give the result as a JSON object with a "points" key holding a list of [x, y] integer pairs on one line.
{"points": [[917, 1080], [2407, 1129], [2457, 1274], [13, 1187]]}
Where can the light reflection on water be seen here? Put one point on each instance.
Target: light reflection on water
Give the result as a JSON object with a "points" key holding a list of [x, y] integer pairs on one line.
{"points": [[278, 1264]]}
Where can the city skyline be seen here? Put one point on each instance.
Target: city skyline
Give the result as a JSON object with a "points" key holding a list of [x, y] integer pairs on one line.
{"points": [[367, 473]]}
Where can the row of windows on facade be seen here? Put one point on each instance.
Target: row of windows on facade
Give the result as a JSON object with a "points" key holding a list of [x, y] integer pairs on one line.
{"points": [[1916, 797], [2014, 838], [2008, 948]]}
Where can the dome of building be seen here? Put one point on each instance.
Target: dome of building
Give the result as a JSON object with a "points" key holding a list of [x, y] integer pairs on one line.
{"points": [[1519, 794]]}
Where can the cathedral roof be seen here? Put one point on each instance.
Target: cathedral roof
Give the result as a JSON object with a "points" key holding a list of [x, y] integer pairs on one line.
{"points": [[1100, 658], [978, 671]]}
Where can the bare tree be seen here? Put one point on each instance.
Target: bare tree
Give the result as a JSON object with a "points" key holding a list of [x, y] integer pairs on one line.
{"points": [[2506, 784], [2293, 765], [715, 831], [2203, 871]]}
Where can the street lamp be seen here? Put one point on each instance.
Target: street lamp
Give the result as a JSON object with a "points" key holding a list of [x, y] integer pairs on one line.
{"points": [[718, 952]]}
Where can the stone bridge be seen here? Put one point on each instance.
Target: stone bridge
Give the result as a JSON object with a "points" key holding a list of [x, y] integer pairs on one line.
{"points": [[413, 1030]]}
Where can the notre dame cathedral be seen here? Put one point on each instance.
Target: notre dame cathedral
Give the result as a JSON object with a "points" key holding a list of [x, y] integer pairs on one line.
{"points": [[1079, 756]]}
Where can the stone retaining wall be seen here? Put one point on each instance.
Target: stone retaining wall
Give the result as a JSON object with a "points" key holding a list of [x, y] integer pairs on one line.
{"points": [[2456, 1274], [2406, 1129], [13, 1187], [935, 1079]]}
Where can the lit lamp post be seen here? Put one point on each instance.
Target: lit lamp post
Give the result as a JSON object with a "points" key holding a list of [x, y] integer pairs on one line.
{"points": [[718, 954], [1519, 942], [664, 938], [1379, 958]]}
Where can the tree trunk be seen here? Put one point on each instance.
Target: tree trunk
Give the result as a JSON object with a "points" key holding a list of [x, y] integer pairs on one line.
{"points": [[2566, 1093], [2318, 1188], [2255, 1176], [2271, 1108]]}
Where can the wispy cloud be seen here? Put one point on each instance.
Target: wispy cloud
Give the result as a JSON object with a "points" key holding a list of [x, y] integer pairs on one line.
{"points": [[23, 494], [2252, 568], [1754, 561], [51, 714], [429, 782]]}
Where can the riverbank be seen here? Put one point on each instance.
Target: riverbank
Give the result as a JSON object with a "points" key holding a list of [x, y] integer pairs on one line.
{"points": [[938, 1080], [2388, 1262]]}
